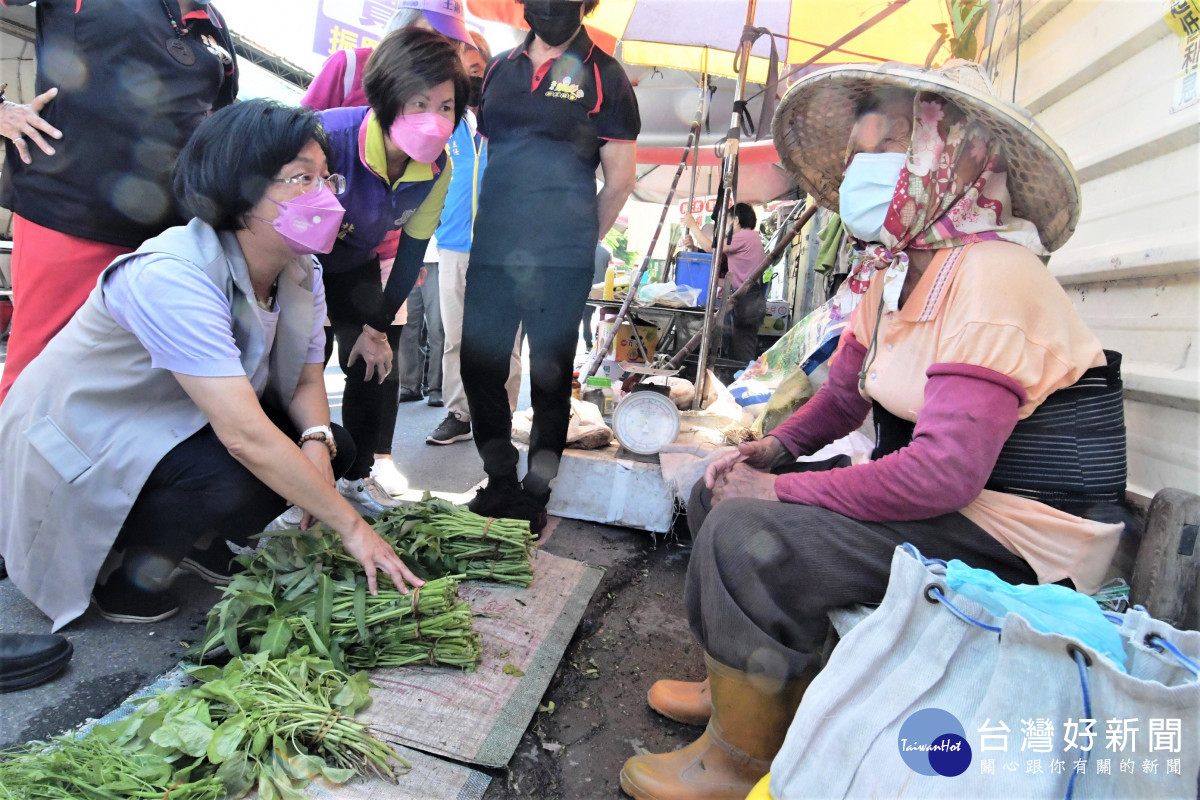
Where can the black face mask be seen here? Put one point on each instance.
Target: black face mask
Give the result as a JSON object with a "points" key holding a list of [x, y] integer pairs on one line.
{"points": [[476, 82], [553, 21]]}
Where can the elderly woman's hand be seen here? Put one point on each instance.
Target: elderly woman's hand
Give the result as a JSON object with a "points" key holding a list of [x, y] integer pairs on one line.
{"points": [[761, 455], [375, 554], [19, 122], [373, 348], [742, 481]]}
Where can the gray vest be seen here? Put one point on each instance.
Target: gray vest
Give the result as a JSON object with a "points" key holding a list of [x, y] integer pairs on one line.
{"points": [[89, 418]]}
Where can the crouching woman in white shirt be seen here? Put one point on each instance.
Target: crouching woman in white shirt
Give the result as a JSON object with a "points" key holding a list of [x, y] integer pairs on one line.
{"points": [[184, 405]]}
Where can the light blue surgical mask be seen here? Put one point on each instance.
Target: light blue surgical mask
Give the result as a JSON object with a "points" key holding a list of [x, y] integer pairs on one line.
{"points": [[866, 193]]}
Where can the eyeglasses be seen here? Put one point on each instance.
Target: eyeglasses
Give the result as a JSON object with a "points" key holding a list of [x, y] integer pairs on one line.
{"points": [[335, 182]]}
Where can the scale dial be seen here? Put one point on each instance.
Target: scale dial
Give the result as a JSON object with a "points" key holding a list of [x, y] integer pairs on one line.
{"points": [[645, 421]]}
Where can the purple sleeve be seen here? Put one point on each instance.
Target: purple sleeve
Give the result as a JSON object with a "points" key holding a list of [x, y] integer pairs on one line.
{"points": [[835, 410], [968, 415], [316, 342], [177, 313], [326, 90]]}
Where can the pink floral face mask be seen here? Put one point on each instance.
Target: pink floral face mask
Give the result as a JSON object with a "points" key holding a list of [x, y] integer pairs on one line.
{"points": [[952, 191]]}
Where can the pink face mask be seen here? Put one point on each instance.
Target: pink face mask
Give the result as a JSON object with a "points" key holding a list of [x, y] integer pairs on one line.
{"points": [[421, 136], [309, 223]]}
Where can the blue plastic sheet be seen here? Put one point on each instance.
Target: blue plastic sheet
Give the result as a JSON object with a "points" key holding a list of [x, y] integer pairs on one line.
{"points": [[1048, 608]]}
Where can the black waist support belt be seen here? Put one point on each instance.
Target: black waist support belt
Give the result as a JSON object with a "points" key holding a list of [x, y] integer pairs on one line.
{"points": [[1068, 454]]}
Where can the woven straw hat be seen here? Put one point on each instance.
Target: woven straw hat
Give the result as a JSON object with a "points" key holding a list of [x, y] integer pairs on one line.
{"points": [[812, 127]]}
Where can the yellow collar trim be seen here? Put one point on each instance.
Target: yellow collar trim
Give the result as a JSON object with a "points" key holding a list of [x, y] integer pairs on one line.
{"points": [[375, 156]]}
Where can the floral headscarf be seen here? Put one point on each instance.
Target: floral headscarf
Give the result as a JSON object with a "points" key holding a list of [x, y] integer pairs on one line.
{"points": [[952, 191]]}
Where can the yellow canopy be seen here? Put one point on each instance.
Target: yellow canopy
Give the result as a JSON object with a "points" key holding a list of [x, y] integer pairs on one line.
{"points": [[700, 35]]}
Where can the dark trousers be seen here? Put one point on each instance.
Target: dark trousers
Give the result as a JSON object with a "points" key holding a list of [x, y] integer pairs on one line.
{"points": [[745, 319], [764, 575], [548, 302], [198, 489], [588, 336], [368, 407], [420, 363]]}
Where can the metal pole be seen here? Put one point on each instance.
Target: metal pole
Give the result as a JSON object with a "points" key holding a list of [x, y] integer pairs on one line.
{"points": [[752, 282], [696, 144], [605, 343], [728, 171]]}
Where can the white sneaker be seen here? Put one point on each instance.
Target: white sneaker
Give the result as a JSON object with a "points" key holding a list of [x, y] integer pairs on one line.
{"points": [[366, 494], [287, 521], [390, 479]]}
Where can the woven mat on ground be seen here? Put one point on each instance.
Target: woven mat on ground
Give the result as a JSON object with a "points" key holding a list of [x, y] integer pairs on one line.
{"points": [[478, 717]]}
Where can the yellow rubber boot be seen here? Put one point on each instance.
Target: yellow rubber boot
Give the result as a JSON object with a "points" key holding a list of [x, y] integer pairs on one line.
{"points": [[750, 717], [688, 702]]}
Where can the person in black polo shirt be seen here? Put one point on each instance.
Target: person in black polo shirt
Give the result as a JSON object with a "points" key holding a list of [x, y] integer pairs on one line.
{"points": [[121, 87], [553, 110]]}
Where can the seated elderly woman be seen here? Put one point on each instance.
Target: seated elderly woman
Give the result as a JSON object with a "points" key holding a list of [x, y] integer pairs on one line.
{"points": [[184, 403], [1000, 433]]}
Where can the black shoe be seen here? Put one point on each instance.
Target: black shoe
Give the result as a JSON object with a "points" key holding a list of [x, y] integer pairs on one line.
{"points": [[495, 498], [120, 600], [509, 503], [214, 565], [410, 395], [450, 431], [28, 659], [434, 398]]}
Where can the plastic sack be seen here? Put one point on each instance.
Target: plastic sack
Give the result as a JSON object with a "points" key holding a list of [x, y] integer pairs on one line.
{"points": [[668, 294], [1048, 608], [793, 392]]}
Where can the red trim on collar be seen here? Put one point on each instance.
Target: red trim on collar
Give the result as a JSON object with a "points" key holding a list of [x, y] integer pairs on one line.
{"points": [[540, 73], [599, 87]]}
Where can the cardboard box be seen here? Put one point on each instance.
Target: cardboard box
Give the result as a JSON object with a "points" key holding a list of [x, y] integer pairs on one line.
{"points": [[624, 347]]}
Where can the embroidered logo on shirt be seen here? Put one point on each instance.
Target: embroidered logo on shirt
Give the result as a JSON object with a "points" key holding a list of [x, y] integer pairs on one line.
{"points": [[216, 49], [565, 89], [405, 217]]}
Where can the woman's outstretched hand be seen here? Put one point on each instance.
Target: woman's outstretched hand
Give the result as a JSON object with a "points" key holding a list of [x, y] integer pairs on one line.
{"points": [[375, 554]]}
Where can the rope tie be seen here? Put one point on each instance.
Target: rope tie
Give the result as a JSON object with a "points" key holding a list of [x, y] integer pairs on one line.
{"points": [[416, 597], [487, 525], [327, 724]]}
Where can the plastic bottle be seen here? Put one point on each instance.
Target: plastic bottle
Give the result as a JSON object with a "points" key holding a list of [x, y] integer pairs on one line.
{"points": [[600, 392], [610, 279]]}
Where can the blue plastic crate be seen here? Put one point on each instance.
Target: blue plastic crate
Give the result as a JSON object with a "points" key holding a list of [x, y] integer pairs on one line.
{"points": [[694, 269]]}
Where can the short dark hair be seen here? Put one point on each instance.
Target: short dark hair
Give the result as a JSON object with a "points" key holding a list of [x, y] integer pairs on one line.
{"points": [[227, 165], [745, 216], [409, 61]]}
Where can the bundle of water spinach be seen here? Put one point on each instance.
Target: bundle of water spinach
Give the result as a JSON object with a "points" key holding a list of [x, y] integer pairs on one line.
{"points": [[269, 724], [436, 537], [303, 590]]}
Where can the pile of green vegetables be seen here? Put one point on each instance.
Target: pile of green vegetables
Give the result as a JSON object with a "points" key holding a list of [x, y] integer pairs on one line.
{"points": [[302, 589], [258, 723], [436, 537], [329, 610]]}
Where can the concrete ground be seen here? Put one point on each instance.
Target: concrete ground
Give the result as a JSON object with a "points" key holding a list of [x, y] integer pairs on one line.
{"points": [[632, 633]]}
